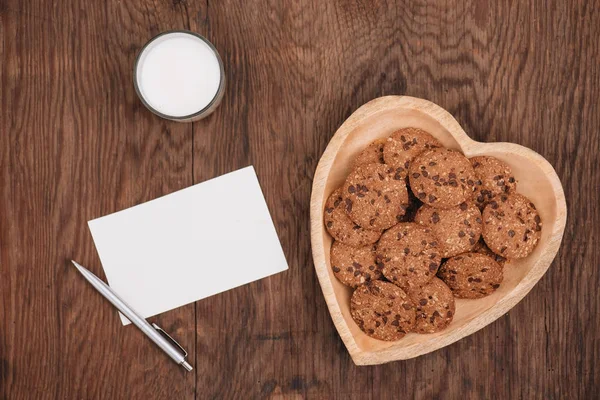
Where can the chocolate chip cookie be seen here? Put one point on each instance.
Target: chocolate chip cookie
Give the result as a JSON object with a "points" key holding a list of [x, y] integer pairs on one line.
{"points": [[435, 306], [341, 227], [409, 255], [373, 154], [382, 310], [374, 196], [494, 177], [442, 178], [404, 145], [512, 226], [458, 228], [471, 275], [481, 248], [354, 266]]}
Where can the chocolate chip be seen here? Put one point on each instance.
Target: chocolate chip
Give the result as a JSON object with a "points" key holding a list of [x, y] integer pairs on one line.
{"points": [[406, 306], [432, 163], [452, 175], [395, 322], [503, 249], [449, 314], [497, 177], [351, 189], [495, 285], [511, 233], [476, 164], [335, 269], [471, 241], [537, 219], [461, 234], [425, 174], [406, 250], [423, 302], [511, 179], [416, 175], [329, 224], [348, 205], [421, 195], [435, 217], [433, 267], [463, 206]]}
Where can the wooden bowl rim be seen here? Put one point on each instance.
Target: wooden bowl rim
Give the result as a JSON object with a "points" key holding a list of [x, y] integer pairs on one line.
{"points": [[541, 264]]}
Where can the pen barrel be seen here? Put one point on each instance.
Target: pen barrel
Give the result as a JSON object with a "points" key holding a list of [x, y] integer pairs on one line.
{"points": [[172, 351], [155, 336]]}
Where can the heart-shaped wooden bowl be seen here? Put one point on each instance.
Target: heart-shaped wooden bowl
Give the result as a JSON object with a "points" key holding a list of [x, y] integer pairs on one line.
{"points": [[536, 180]]}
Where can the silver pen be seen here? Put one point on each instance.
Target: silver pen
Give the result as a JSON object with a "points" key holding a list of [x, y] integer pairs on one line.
{"points": [[154, 332]]}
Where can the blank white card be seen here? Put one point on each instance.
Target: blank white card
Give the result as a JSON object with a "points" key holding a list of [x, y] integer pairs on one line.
{"points": [[190, 244]]}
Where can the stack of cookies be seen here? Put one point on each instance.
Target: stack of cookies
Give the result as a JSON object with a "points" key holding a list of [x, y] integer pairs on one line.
{"points": [[417, 225]]}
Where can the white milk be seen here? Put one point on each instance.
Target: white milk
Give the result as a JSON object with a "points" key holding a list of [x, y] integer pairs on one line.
{"points": [[178, 74]]}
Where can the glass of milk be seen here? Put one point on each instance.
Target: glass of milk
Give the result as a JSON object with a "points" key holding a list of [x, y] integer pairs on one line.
{"points": [[179, 75]]}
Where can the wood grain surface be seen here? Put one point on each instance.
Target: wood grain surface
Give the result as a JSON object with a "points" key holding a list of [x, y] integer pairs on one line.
{"points": [[76, 143]]}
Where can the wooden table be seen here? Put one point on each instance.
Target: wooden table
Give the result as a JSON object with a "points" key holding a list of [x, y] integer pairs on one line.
{"points": [[76, 143]]}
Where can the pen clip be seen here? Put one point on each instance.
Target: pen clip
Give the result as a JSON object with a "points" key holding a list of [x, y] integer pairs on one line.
{"points": [[167, 336]]}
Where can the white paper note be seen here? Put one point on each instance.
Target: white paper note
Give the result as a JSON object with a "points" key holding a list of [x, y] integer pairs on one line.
{"points": [[188, 245]]}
